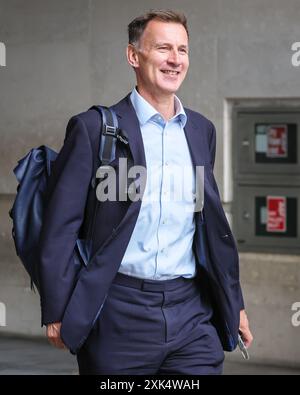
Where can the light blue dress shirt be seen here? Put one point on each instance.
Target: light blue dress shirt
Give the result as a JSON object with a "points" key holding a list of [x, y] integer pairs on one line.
{"points": [[160, 247]]}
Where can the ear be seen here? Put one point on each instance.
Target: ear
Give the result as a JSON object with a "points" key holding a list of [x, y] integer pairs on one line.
{"points": [[132, 56]]}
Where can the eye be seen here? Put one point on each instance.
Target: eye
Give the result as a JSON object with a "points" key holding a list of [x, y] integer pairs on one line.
{"points": [[163, 49], [183, 50]]}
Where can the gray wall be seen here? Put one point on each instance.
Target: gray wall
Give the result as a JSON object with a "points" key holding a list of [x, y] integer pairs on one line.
{"points": [[63, 56]]}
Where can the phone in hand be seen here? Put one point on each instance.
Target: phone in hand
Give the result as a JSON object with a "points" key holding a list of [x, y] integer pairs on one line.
{"points": [[242, 347]]}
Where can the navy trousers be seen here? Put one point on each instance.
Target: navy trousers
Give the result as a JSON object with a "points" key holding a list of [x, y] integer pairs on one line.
{"points": [[153, 327]]}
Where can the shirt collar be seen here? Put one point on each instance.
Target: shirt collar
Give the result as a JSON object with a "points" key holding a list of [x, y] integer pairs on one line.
{"points": [[145, 111]]}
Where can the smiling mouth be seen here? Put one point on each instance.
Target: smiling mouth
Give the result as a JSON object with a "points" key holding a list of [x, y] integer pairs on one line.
{"points": [[170, 72]]}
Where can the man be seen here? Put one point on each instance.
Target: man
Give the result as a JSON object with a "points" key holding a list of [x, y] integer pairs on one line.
{"points": [[161, 294]]}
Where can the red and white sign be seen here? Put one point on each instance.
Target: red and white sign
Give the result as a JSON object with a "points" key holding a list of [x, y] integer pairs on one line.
{"points": [[277, 141], [276, 206]]}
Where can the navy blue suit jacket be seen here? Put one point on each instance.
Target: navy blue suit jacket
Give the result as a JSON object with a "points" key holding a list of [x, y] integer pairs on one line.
{"points": [[78, 302]]}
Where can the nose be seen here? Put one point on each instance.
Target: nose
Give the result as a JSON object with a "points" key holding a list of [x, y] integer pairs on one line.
{"points": [[174, 57]]}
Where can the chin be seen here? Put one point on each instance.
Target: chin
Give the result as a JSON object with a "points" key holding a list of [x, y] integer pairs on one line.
{"points": [[170, 88]]}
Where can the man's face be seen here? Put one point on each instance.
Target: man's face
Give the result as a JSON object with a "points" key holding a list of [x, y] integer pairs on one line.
{"points": [[162, 61]]}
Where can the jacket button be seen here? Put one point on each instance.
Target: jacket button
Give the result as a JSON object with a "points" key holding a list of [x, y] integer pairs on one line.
{"points": [[225, 237]]}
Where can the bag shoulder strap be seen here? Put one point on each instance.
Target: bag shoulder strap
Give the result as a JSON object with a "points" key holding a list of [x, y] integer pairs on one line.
{"points": [[109, 133]]}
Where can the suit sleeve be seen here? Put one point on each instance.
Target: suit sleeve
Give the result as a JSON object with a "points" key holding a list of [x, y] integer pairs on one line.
{"points": [[212, 150], [67, 194]]}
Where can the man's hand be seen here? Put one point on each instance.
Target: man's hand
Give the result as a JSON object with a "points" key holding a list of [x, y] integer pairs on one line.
{"points": [[245, 330], [53, 335]]}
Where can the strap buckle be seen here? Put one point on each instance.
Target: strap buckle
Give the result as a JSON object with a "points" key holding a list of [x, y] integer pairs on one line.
{"points": [[110, 130], [115, 132]]}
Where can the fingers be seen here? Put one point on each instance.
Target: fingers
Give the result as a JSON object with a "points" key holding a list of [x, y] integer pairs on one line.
{"points": [[53, 335], [247, 337], [245, 330]]}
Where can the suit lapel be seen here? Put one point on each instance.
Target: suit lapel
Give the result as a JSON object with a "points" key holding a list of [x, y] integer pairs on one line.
{"points": [[129, 123], [196, 141]]}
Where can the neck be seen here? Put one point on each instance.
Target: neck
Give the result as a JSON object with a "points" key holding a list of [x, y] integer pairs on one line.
{"points": [[165, 105]]}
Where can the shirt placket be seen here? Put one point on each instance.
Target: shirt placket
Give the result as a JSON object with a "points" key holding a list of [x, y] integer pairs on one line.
{"points": [[162, 253]]}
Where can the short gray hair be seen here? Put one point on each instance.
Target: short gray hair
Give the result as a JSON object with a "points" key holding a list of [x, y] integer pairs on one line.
{"points": [[138, 25]]}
